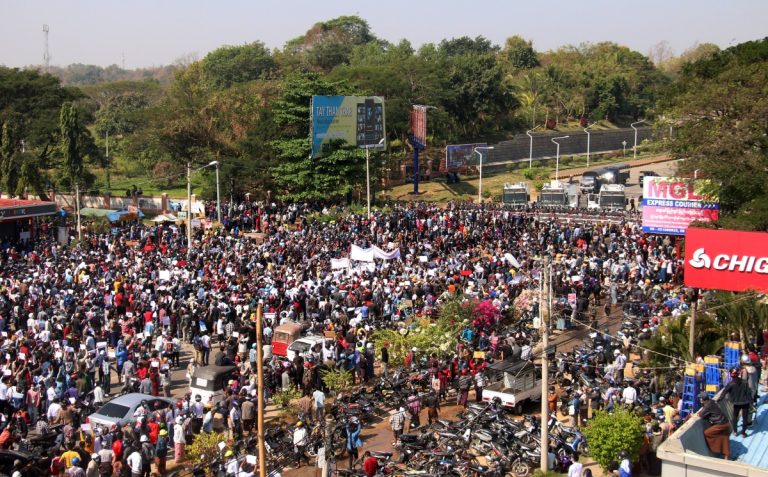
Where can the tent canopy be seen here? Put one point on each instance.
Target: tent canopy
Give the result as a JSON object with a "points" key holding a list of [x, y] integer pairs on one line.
{"points": [[118, 215], [94, 212]]}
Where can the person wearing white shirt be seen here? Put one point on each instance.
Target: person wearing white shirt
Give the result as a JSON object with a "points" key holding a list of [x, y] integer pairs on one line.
{"points": [[134, 462], [629, 396], [576, 468], [179, 441]]}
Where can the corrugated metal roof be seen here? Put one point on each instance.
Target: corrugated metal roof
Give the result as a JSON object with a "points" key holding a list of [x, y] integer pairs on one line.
{"points": [[753, 449]]}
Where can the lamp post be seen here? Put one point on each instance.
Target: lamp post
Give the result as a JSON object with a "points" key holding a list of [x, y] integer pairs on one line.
{"points": [[624, 148], [368, 172], [189, 207], [634, 154], [480, 185], [218, 191], [530, 147], [586, 130], [557, 156]]}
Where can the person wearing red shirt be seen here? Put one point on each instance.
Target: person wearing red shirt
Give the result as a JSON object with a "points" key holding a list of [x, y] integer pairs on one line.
{"points": [[117, 449], [370, 464]]}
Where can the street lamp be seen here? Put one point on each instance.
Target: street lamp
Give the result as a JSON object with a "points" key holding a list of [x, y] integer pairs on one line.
{"points": [[634, 155], [218, 190], [530, 148], [586, 130], [624, 148], [368, 172], [480, 186], [557, 160]]}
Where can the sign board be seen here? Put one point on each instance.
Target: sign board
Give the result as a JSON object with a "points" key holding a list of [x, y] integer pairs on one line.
{"points": [[419, 124], [357, 120], [181, 215], [457, 156], [670, 204], [726, 259], [479, 355]]}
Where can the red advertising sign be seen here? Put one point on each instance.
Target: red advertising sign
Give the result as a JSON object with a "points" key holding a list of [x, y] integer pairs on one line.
{"points": [[726, 259], [419, 124]]}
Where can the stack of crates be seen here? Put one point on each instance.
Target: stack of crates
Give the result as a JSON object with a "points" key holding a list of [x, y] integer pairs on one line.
{"points": [[713, 375], [692, 381], [731, 358]]}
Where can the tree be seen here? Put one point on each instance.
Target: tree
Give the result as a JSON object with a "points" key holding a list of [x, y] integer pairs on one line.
{"points": [[327, 44], [721, 103], [71, 144], [609, 433], [230, 65], [519, 53]]}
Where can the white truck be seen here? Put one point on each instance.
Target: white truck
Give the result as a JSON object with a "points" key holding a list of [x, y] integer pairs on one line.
{"points": [[517, 195], [514, 382], [559, 194], [611, 197]]}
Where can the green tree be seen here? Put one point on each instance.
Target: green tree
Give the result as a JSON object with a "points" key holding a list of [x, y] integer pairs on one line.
{"points": [[230, 65], [519, 53], [609, 433], [721, 103], [71, 144], [327, 44]]}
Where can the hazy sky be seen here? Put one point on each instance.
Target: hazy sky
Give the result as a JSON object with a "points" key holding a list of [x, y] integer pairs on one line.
{"points": [[157, 32]]}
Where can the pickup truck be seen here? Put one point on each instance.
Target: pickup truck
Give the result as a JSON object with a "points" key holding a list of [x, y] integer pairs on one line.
{"points": [[514, 382]]}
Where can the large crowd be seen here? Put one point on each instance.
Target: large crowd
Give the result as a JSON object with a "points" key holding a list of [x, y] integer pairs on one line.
{"points": [[117, 312]]}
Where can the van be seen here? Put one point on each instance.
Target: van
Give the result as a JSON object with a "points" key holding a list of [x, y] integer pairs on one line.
{"points": [[209, 383], [303, 346]]}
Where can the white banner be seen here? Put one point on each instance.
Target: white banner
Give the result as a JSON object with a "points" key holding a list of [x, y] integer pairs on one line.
{"points": [[512, 260], [368, 254], [339, 263]]}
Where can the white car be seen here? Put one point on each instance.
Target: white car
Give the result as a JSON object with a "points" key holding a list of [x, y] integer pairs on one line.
{"points": [[303, 346]]}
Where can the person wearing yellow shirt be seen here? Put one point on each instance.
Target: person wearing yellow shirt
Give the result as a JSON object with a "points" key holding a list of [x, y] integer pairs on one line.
{"points": [[67, 457]]}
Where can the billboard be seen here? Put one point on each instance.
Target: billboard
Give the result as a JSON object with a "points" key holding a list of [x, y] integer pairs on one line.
{"points": [[419, 124], [358, 120], [670, 204], [726, 259], [458, 156]]}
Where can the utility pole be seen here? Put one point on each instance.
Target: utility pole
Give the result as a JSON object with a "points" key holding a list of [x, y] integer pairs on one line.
{"points": [[692, 331], [46, 54], [189, 207], [260, 393], [544, 310], [77, 205]]}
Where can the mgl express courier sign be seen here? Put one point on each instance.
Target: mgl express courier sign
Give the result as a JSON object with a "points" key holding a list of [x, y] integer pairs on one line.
{"points": [[670, 204], [726, 259]]}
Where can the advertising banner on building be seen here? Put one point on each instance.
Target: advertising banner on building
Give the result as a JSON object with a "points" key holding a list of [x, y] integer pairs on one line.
{"points": [[357, 120], [458, 156], [670, 204], [726, 259]]}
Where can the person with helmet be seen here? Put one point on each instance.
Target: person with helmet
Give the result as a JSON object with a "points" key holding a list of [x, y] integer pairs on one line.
{"points": [[69, 456], [75, 470], [231, 467], [300, 441], [135, 462], [93, 466], [625, 466], [353, 440], [718, 433], [741, 397], [161, 450]]}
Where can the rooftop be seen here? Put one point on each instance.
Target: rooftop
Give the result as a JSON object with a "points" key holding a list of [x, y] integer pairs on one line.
{"points": [[753, 449]]}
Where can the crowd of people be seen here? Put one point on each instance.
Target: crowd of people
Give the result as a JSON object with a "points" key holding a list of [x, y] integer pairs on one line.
{"points": [[118, 312]]}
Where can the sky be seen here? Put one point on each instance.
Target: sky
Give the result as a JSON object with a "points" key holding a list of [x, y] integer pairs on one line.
{"points": [[144, 33]]}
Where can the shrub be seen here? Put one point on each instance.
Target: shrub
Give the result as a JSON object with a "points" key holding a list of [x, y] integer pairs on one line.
{"points": [[205, 449], [338, 380], [283, 398], [610, 433]]}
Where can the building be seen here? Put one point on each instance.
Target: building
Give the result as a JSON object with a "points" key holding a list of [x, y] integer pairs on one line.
{"points": [[18, 217], [685, 453]]}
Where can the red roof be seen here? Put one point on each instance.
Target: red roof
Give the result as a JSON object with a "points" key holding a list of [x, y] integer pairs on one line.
{"points": [[4, 203]]}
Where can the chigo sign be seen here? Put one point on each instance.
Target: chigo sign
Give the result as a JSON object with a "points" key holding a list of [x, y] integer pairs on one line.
{"points": [[726, 259]]}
